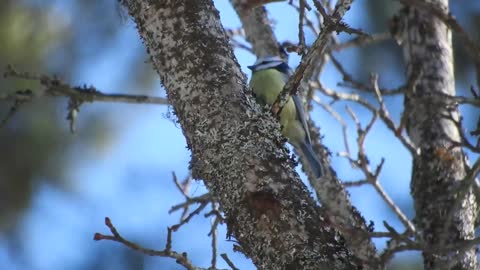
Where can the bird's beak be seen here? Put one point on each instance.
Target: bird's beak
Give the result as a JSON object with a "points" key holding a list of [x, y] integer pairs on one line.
{"points": [[251, 67]]}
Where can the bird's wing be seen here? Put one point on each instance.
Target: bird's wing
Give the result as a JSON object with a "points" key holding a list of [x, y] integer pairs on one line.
{"points": [[299, 107], [301, 116]]}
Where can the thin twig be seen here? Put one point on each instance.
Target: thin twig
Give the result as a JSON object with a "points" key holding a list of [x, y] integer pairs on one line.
{"points": [[180, 258], [21, 98], [350, 82], [205, 198], [385, 116], [213, 233], [372, 177], [301, 34], [333, 20], [78, 95], [308, 22], [354, 183], [383, 113], [240, 45], [55, 87], [318, 48], [340, 120], [192, 214], [362, 41], [184, 188], [401, 216], [228, 261]]}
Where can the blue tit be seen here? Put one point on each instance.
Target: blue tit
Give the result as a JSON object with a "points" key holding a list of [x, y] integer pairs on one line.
{"points": [[269, 76]]}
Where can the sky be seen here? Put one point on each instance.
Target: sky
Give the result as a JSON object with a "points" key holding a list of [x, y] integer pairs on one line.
{"points": [[129, 177]]}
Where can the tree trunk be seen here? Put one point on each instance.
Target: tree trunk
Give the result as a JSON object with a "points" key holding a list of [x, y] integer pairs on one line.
{"points": [[237, 150], [444, 213]]}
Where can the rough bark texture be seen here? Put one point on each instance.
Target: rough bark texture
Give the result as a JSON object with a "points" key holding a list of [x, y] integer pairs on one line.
{"points": [[329, 190], [443, 216], [257, 29], [237, 150]]}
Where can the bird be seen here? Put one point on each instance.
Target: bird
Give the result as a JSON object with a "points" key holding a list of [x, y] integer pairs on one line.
{"points": [[269, 76]]}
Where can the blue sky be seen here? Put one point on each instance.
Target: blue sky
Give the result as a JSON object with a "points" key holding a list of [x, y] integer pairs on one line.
{"points": [[128, 176]]}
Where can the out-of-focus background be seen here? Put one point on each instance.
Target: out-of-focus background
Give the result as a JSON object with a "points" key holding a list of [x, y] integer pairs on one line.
{"points": [[56, 188]]}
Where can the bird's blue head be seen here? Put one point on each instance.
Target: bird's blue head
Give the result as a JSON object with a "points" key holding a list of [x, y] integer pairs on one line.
{"points": [[267, 62]]}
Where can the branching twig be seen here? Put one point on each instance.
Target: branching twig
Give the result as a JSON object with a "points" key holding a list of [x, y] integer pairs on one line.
{"points": [[349, 81], [180, 258], [308, 22], [77, 95], [333, 20], [362, 162], [184, 188], [190, 216], [361, 41], [340, 120], [385, 116], [318, 48], [234, 32], [228, 261], [382, 111], [205, 198], [213, 234], [19, 99], [353, 183], [301, 33], [55, 87]]}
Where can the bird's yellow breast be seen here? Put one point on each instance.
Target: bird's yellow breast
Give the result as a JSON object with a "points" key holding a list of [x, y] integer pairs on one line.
{"points": [[267, 85]]}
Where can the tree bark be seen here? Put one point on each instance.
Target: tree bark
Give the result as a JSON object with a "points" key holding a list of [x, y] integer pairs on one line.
{"points": [[444, 214], [329, 190], [237, 150], [257, 28]]}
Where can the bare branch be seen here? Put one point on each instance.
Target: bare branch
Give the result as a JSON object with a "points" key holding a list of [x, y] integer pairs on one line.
{"points": [[339, 119], [385, 116], [257, 28], [308, 22], [228, 261], [361, 41], [213, 234], [350, 82], [301, 34], [334, 20], [205, 198], [22, 96], [372, 177], [180, 258], [318, 48], [353, 183], [190, 216], [77, 95], [382, 111], [55, 87]]}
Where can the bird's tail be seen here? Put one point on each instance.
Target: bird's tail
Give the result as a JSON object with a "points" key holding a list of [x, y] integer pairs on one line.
{"points": [[312, 159]]}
